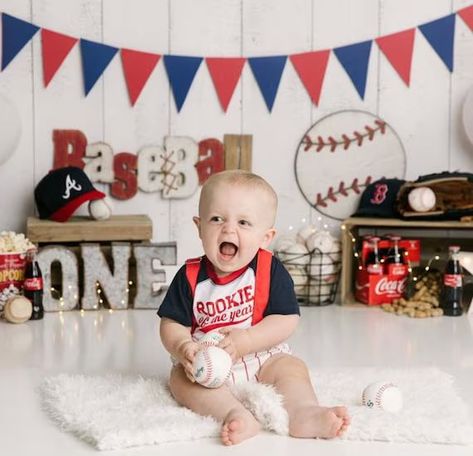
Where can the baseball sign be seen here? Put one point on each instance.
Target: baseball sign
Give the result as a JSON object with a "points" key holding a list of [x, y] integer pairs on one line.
{"points": [[340, 155]]}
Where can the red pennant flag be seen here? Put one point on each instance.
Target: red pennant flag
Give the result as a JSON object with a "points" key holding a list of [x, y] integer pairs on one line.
{"points": [[225, 74], [55, 48], [398, 48], [310, 67], [137, 68], [467, 15]]}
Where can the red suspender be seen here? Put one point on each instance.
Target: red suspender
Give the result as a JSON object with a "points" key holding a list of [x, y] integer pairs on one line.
{"points": [[192, 271], [263, 279]]}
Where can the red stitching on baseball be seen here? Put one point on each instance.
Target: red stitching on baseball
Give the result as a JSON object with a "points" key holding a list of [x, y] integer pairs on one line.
{"points": [[355, 185], [358, 138], [380, 392], [208, 365]]}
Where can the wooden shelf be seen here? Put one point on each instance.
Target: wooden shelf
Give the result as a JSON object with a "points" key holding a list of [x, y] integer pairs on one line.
{"points": [[84, 229], [350, 227]]}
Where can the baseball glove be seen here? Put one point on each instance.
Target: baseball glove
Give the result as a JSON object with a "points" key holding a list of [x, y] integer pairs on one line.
{"points": [[453, 193]]}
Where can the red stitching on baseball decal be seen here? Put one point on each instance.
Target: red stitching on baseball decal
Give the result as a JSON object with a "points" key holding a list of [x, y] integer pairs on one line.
{"points": [[307, 143], [320, 201], [355, 185], [358, 138], [381, 125], [331, 194], [341, 189]]}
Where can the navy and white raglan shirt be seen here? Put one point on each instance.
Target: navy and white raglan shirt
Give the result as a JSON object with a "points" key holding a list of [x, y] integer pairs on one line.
{"points": [[226, 301]]}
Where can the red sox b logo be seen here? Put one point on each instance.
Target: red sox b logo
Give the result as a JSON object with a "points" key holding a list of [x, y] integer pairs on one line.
{"points": [[379, 194]]}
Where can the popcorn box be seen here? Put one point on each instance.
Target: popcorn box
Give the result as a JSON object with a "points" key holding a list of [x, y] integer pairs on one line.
{"points": [[12, 269], [377, 289]]}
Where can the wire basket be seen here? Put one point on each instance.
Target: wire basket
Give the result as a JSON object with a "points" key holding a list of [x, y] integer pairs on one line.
{"points": [[316, 275]]}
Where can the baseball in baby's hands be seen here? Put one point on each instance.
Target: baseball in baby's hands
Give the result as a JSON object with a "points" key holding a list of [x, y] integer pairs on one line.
{"points": [[185, 353], [236, 342]]}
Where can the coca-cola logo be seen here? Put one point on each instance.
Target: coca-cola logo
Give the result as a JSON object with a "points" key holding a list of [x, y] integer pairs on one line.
{"points": [[386, 286]]}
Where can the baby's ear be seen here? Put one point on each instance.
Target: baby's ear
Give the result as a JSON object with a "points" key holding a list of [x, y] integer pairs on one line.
{"points": [[268, 237], [196, 220]]}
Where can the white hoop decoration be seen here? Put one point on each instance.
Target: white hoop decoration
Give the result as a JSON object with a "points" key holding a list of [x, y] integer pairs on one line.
{"points": [[467, 115], [10, 128], [340, 155]]}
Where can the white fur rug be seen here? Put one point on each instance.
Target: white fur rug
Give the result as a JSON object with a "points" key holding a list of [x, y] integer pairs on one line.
{"points": [[116, 412]]}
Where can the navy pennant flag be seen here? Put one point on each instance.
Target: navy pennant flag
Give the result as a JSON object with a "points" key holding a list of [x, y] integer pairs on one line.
{"points": [[440, 34], [95, 58], [355, 59], [15, 34], [268, 72], [181, 71]]}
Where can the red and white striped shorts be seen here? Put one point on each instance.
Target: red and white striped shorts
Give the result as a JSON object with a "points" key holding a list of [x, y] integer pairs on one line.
{"points": [[246, 369]]}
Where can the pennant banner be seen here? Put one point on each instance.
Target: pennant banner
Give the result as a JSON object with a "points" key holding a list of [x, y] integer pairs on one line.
{"points": [[467, 15], [398, 49], [15, 34], [310, 67], [181, 72], [55, 48], [225, 72], [137, 68], [268, 72], [95, 58], [355, 58], [440, 34]]}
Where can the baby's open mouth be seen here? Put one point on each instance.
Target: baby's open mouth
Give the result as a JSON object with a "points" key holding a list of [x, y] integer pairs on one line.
{"points": [[228, 249]]}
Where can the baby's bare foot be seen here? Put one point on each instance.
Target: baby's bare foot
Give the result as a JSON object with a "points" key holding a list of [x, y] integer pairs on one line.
{"points": [[314, 421], [239, 425]]}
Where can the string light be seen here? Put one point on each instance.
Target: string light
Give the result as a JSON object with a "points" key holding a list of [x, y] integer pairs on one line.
{"points": [[410, 270]]}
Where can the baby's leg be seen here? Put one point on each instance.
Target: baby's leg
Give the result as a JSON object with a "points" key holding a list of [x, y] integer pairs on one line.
{"points": [[307, 418], [238, 423]]}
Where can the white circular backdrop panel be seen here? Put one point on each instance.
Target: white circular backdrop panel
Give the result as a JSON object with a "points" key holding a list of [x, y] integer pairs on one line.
{"points": [[340, 155]]}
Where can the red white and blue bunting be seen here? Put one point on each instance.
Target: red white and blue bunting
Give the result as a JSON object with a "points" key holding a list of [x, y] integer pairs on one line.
{"points": [[225, 72]]}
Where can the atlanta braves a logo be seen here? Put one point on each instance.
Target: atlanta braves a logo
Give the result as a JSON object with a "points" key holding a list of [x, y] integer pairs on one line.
{"points": [[71, 184], [380, 193]]}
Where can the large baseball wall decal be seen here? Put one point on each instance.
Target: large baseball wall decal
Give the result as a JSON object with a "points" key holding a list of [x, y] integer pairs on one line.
{"points": [[340, 155]]}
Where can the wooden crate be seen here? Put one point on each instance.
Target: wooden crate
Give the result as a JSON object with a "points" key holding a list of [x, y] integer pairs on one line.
{"points": [[82, 229], [435, 237]]}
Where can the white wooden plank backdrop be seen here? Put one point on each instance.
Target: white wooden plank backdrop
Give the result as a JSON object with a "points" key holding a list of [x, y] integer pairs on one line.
{"points": [[426, 115]]}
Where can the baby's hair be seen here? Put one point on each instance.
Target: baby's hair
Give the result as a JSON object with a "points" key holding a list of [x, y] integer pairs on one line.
{"points": [[238, 177]]}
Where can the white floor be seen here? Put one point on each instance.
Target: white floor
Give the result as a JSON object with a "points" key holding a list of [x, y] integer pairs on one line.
{"points": [[128, 341]]}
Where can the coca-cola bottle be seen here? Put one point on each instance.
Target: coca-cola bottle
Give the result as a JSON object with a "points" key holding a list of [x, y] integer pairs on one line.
{"points": [[452, 284], [33, 285], [395, 261], [374, 265]]}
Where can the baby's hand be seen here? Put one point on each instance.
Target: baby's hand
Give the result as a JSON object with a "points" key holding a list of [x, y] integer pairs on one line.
{"points": [[185, 355], [236, 342]]}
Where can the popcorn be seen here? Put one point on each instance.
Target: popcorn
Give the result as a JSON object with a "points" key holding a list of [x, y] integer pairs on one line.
{"points": [[12, 242]]}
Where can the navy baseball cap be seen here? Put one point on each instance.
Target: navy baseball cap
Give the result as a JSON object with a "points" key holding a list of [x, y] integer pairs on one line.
{"points": [[62, 191], [380, 199]]}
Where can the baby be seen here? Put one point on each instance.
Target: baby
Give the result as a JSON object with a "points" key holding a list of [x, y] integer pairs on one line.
{"points": [[246, 294]]}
